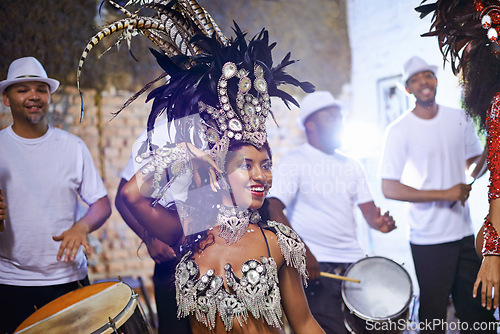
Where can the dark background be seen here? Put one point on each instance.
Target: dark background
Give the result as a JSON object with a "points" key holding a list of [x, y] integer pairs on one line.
{"points": [[56, 32]]}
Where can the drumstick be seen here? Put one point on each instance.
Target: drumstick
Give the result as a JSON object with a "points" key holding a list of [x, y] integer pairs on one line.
{"points": [[344, 278]]}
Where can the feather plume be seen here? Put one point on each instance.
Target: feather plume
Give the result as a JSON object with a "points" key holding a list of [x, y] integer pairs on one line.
{"points": [[464, 42], [171, 28], [192, 53], [456, 24]]}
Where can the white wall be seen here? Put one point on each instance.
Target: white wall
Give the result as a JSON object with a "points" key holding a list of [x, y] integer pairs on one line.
{"points": [[383, 35]]}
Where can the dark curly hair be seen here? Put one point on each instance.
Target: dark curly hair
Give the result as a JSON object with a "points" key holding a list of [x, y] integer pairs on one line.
{"points": [[480, 81]]}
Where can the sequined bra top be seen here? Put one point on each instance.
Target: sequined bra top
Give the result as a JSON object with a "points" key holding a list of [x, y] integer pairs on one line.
{"points": [[257, 292]]}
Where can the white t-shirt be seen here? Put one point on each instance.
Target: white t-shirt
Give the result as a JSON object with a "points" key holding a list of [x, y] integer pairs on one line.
{"points": [[320, 192], [431, 154], [41, 180]]}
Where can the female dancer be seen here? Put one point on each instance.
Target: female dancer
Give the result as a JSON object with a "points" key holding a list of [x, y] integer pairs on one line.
{"points": [[238, 270], [468, 33], [236, 275]]}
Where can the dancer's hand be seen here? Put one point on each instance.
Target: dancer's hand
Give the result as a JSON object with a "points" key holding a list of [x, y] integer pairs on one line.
{"points": [[200, 160], [489, 279], [196, 158]]}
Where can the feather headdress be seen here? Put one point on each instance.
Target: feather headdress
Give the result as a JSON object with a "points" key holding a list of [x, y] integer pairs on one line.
{"points": [[226, 82], [194, 52], [467, 32]]}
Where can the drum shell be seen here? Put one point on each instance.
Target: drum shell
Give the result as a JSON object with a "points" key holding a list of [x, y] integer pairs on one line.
{"points": [[357, 325], [89, 310], [380, 303]]}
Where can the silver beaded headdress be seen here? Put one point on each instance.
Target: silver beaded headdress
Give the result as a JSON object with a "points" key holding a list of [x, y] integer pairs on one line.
{"points": [[218, 90], [247, 123]]}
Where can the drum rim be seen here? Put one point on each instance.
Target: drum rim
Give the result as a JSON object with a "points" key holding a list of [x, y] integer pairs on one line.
{"points": [[364, 316], [106, 286], [120, 319]]}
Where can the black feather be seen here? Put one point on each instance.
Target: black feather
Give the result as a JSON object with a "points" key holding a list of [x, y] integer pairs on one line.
{"points": [[464, 43]]}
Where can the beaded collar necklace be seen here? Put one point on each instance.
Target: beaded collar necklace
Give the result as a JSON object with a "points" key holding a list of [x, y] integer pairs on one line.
{"points": [[233, 222]]}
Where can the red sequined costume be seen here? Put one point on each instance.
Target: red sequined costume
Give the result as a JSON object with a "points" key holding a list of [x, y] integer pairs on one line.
{"points": [[491, 245]]}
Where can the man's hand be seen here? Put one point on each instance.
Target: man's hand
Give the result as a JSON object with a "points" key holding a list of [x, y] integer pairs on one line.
{"points": [[3, 211], [160, 252], [385, 223], [71, 240], [459, 192], [312, 266]]}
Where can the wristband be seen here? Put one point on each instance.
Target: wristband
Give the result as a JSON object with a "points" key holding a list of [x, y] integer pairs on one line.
{"points": [[491, 243]]}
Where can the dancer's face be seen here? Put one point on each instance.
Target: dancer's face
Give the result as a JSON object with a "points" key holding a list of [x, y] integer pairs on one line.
{"points": [[250, 177]]}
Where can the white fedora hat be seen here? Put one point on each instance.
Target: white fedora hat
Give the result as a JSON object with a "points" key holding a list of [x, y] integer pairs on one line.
{"points": [[27, 69], [315, 102], [415, 65]]}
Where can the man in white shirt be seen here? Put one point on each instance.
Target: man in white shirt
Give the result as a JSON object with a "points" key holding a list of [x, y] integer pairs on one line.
{"points": [[319, 187], [43, 171], [426, 153]]}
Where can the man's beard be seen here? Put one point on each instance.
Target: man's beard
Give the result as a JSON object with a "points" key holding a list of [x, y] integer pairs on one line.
{"points": [[35, 119]]}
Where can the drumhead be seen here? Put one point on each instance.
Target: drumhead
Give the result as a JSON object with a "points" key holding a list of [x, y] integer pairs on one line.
{"points": [[385, 290], [85, 310]]}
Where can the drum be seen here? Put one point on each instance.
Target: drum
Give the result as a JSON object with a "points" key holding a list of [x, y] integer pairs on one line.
{"points": [[108, 307], [380, 303]]}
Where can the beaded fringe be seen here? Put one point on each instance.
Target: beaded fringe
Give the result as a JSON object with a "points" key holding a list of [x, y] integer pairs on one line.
{"points": [[292, 248]]}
